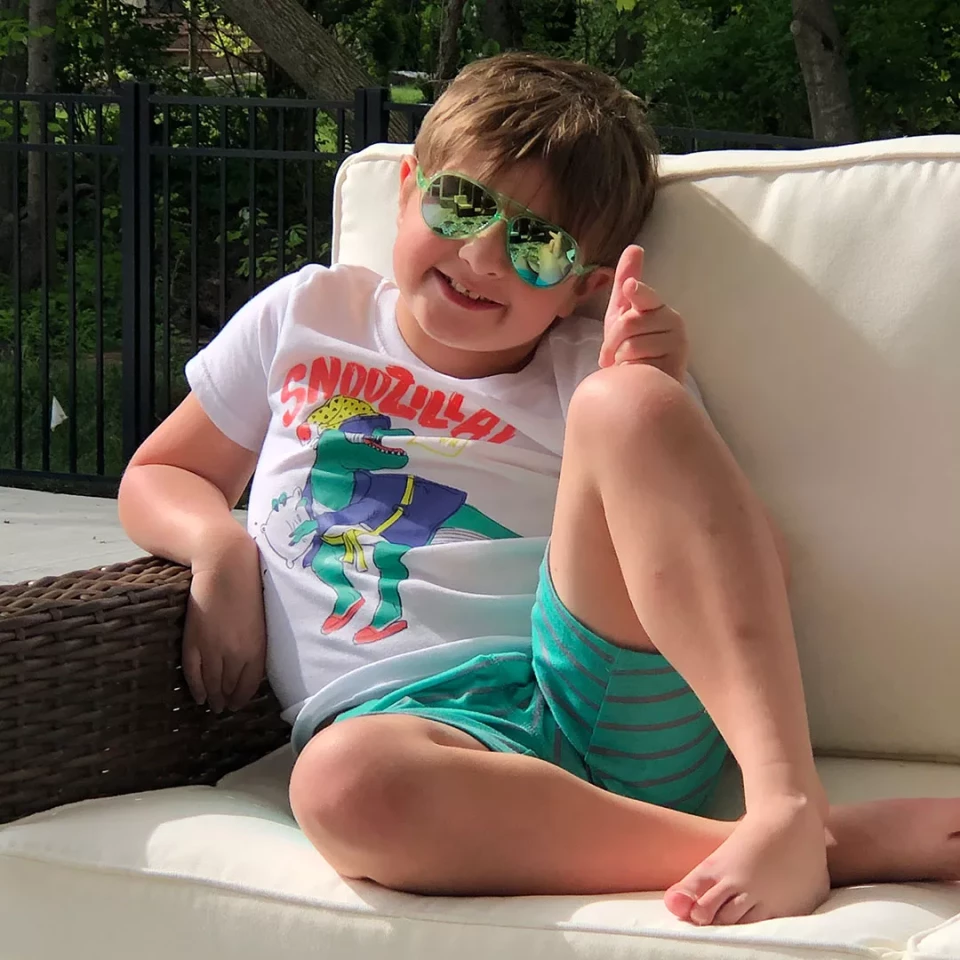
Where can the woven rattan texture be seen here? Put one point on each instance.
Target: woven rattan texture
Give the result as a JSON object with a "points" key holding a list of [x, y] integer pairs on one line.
{"points": [[92, 699]]}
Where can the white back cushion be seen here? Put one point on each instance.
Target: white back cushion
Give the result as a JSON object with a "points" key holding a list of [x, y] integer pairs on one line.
{"points": [[821, 292]]}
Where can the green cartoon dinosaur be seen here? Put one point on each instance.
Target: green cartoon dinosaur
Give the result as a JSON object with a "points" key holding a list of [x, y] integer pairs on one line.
{"points": [[348, 505]]}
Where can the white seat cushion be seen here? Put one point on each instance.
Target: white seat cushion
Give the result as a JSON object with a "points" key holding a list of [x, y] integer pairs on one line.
{"points": [[211, 872]]}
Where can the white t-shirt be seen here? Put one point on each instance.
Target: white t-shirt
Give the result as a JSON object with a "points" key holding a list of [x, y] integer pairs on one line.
{"points": [[401, 514]]}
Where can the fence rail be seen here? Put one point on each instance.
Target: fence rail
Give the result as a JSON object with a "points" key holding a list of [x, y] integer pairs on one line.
{"points": [[133, 225]]}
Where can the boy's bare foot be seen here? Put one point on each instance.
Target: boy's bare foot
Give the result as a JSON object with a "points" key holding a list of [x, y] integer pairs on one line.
{"points": [[774, 864], [770, 865]]}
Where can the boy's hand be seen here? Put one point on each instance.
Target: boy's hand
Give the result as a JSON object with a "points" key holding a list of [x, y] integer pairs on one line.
{"points": [[224, 639], [639, 327]]}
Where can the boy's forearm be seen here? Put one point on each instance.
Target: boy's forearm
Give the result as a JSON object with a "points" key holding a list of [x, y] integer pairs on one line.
{"points": [[177, 514]]}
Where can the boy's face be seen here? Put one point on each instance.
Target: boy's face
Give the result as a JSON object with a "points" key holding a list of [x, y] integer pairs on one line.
{"points": [[451, 332]]}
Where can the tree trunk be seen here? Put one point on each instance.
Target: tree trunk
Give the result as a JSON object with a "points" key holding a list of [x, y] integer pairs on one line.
{"points": [[41, 78], [628, 41], [13, 79], [501, 24], [109, 68], [448, 56], [817, 39], [286, 33]]}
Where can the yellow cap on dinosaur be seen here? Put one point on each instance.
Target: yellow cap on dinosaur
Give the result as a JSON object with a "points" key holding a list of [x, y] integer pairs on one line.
{"points": [[331, 414]]}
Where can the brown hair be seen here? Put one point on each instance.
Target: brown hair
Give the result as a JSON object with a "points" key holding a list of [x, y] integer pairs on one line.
{"points": [[588, 132]]}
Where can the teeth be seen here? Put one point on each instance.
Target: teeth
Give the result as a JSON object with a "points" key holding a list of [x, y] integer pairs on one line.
{"points": [[460, 288]]}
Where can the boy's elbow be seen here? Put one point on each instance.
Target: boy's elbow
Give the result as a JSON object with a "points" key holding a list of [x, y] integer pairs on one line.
{"points": [[130, 496]]}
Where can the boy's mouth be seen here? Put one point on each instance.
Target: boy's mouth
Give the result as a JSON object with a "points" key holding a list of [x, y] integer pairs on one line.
{"points": [[464, 296]]}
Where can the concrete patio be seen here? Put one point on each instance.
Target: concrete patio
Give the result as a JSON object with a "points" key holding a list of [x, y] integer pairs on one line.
{"points": [[42, 534]]}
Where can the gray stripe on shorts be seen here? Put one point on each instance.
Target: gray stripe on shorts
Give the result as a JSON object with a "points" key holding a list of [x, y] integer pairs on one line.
{"points": [[656, 755], [536, 719], [557, 747], [569, 711], [652, 672], [578, 666], [577, 628], [649, 727], [670, 778], [706, 786], [653, 698], [580, 695]]}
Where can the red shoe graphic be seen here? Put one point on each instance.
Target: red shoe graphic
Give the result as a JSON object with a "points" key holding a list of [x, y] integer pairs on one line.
{"points": [[333, 622], [370, 634]]}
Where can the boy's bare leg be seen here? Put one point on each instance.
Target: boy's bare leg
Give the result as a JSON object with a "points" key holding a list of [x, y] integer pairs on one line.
{"points": [[423, 807], [659, 543]]}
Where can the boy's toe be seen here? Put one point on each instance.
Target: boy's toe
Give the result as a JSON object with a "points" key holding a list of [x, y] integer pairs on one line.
{"points": [[709, 904], [682, 897], [735, 909]]}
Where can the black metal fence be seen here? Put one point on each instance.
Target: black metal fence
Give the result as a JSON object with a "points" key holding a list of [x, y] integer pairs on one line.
{"points": [[132, 226]]}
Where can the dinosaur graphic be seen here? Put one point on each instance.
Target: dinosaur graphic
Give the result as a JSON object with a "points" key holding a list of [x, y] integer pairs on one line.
{"points": [[352, 514]]}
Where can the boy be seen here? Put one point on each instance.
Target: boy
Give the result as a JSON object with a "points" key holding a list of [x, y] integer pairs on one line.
{"points": [[407, 440]]}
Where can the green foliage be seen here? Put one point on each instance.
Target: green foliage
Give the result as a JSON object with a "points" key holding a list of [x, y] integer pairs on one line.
{"points": [[721, 66], [904, 63], [704, 63], [136, 48], [14, 31]]}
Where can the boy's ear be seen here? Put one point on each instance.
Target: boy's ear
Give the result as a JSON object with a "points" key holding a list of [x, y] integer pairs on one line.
{"points": [[408, 180], [408, 172], [594, 286]]}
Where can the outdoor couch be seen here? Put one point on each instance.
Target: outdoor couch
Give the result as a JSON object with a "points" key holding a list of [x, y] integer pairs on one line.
{"points": [[822, 293]]}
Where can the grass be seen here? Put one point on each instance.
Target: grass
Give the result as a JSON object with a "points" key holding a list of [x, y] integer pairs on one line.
{"points": [[406, 94]]}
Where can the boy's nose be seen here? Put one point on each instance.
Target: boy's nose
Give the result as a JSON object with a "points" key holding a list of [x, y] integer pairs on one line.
{"points": [[486, 252]]}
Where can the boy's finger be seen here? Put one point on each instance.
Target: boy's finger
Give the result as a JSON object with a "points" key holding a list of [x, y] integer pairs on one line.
{"points": [[212, 671], [192, 673], [643, 298], [646, 347], [232, 670], [629, 323], [629, 265], [247, 686]]}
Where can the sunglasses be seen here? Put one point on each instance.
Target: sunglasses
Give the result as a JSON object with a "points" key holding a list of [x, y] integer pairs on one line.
{"points": [[455, 207]]}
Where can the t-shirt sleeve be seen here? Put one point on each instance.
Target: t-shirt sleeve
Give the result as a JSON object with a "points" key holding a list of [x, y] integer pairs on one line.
{"points": [[229, 376]]}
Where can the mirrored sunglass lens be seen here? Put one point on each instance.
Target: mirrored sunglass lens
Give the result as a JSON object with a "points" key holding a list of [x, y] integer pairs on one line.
{"points": [[454, 207], [542, 253]]}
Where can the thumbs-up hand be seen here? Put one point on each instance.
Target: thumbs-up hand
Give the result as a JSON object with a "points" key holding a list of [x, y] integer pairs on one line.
{"points": [[638, 326]]}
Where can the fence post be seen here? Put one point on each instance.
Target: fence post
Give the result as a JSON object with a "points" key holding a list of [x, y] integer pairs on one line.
{"points": [[137, 297], [147, 339], [371, 116]]}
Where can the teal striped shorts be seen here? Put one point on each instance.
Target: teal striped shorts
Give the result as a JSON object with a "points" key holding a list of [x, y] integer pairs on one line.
{"points": [[623, 720]]}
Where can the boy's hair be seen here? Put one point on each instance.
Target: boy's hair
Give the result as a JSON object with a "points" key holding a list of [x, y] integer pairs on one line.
{"points": [[588, 132]]}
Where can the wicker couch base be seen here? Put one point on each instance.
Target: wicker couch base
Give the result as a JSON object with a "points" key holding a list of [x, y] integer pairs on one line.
{"points": [[92, 698]]}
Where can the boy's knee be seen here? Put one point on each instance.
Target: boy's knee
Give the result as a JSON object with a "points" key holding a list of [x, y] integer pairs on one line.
{"points": [[349, 791], [629, 400]]}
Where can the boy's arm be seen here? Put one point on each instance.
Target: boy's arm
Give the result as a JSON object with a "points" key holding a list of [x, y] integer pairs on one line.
{"points": [[780, 542], [180, 486], [175, 501]]}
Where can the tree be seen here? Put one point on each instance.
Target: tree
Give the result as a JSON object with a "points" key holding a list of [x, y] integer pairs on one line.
{"points": [[448, 56], [13, 78], [817, 39], [41, 178], [501, 24], [307, 52]]}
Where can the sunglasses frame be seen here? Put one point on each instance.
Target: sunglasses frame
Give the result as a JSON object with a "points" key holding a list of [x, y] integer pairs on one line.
{"points": [[576, 267]]}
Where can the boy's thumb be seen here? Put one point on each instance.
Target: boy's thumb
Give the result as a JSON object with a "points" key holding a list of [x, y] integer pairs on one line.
{"points": [[629, 265]]}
